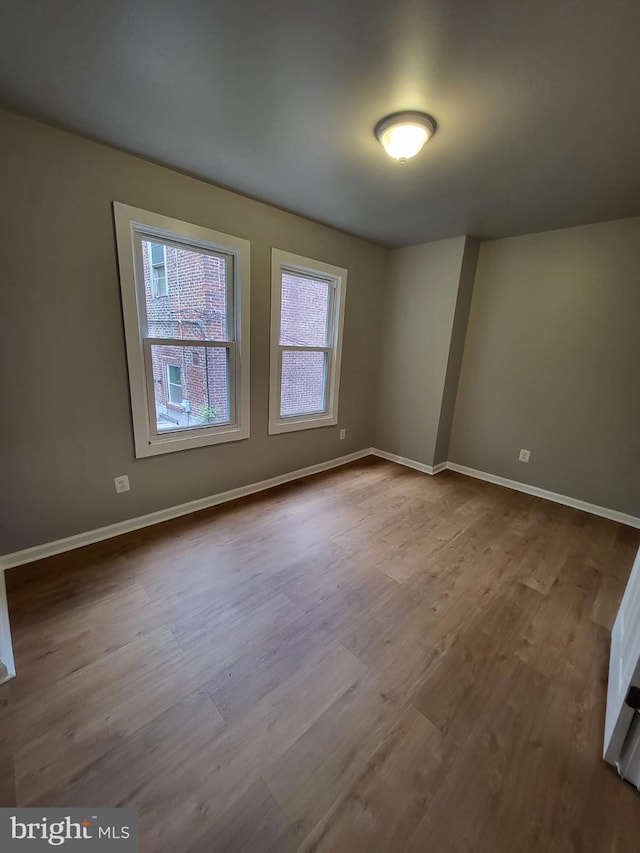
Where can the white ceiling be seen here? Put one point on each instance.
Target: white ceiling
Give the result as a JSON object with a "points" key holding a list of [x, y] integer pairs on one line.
{"points": [[536, 102]]}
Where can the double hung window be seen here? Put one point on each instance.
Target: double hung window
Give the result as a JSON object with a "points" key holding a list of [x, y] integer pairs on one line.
{"points": [[307, 313], [187, 353]]}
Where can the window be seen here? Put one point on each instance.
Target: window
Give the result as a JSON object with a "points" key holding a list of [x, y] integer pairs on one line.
{"points": [[158, 261], [307, 312], [174, 384], [188, 353]]}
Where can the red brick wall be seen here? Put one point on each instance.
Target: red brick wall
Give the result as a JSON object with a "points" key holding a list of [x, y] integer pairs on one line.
{"points": [[195, 309], [303, 312]]}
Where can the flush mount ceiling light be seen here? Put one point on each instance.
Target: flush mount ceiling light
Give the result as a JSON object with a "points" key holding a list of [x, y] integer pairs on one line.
{"points": [[402, 135]]}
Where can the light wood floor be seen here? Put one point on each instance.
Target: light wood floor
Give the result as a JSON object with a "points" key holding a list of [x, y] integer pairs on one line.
{"points": [[368, 660]]}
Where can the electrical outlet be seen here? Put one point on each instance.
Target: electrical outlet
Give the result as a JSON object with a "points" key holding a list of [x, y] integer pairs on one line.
{"points": [[343, 434], [122, 483], [524, 455]]}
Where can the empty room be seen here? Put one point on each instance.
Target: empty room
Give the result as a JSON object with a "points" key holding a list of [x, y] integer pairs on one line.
{"points": [[320, 456]]}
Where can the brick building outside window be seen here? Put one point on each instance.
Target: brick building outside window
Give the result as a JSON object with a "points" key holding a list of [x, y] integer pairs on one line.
{"points": [[186, 297]]}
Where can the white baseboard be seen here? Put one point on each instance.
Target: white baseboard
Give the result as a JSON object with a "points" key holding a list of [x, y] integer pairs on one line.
{"points": [[408, 463], [565, 500], [48, 549], [602, 511]]}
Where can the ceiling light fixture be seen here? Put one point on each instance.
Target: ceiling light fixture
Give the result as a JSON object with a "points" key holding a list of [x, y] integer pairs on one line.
{"points": [[402, 135]]}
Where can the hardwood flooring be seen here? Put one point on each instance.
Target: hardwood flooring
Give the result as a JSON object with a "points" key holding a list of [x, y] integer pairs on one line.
{"points": [[367, 660]]}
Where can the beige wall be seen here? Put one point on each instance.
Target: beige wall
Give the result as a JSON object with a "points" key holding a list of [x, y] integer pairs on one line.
{"points": [[65, 428], [552, 364], [416, 388]]}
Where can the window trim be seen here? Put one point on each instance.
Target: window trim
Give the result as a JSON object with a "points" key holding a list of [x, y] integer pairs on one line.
{"points": [[131, 225], [282, 261]]}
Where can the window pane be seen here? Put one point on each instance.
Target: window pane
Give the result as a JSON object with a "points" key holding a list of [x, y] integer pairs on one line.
{"points": [[303, 382], [159, 276], [196, 286], [304, 311], [175, 394], [190, 386], [157, 253]]}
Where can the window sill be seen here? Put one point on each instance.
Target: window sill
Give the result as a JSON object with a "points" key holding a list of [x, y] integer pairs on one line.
{"points": [[295, 424], [158, 446]]}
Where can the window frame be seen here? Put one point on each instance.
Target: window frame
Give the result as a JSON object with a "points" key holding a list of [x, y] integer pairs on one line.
{"points": [[282, 261], [132, 225]]}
